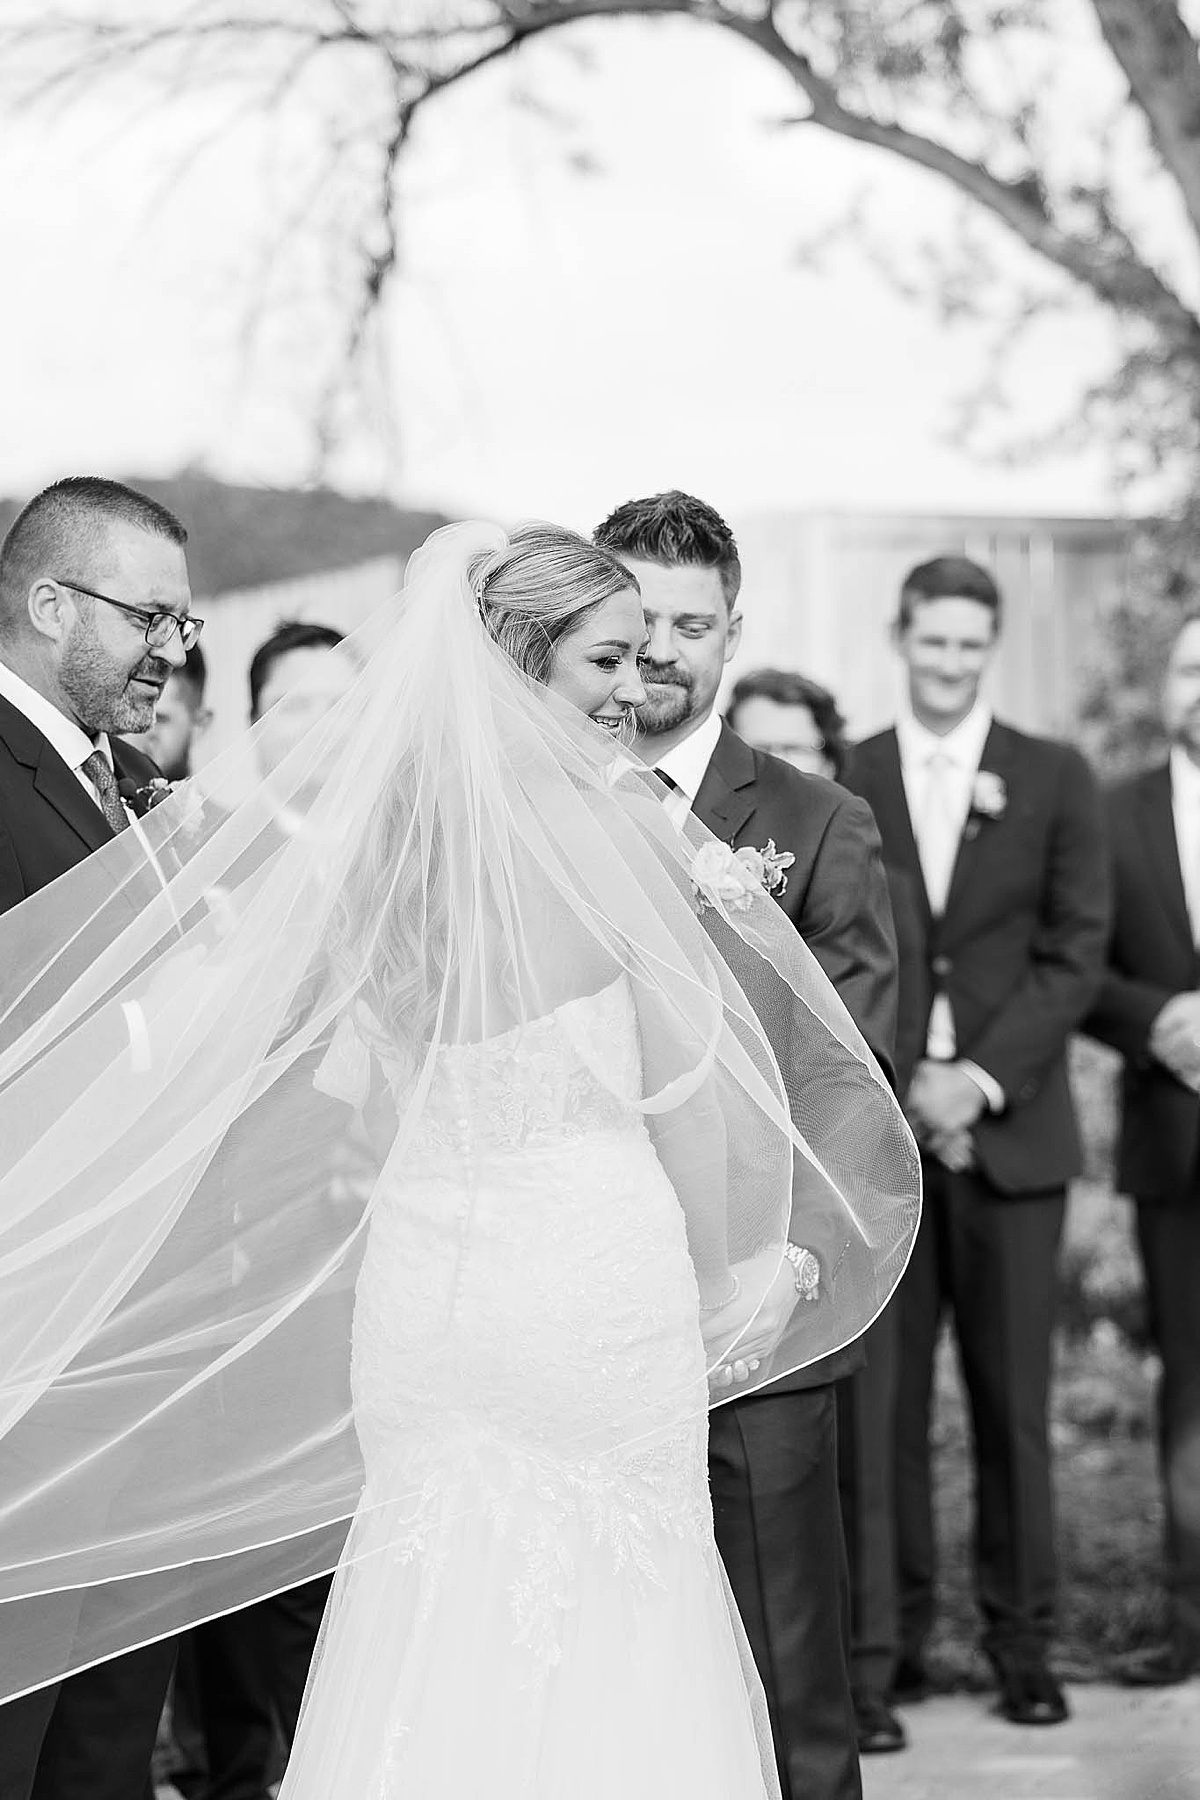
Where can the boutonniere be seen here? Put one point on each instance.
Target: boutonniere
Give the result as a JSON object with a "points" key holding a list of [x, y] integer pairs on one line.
{"points": [[989, 796], [731, 879], [142, 800]]}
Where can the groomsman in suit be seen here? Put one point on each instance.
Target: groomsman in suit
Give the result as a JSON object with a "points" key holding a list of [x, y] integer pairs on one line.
{"points": [[1149, 1010], [1003, 839], [773, 1455], [241, 1677], [180, 718], [788, 715], [94, 619]]}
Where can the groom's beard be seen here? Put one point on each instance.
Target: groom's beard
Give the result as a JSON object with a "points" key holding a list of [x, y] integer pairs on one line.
{"points": [[668, 702]]}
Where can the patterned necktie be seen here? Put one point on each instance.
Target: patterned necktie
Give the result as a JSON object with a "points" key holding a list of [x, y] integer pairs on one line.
{"points": [[99, 772]]}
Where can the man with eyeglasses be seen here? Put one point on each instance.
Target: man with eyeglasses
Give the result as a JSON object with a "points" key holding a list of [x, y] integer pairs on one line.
{"points": [[94, 619]]}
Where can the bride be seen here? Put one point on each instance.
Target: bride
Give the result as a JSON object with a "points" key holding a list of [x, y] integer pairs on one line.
{"points": [[429, 1173]]}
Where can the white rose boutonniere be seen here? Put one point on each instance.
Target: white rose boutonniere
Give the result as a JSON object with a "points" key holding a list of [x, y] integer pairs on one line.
{"points": [[989, 796], [143, 800], [731, 879]]}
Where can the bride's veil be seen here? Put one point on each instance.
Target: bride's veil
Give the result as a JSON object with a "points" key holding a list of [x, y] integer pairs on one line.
{"points": [[218, 1038]]}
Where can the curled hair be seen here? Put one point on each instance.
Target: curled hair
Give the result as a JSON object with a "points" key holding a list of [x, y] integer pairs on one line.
{"points": [[787, 687], [539, 586]]}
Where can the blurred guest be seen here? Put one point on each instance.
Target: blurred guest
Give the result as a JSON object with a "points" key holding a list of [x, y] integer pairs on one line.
{"points": [[296, 676], [1002, 836], [180, 718], [1149, 1010], [791, 717], [242, 1676]]}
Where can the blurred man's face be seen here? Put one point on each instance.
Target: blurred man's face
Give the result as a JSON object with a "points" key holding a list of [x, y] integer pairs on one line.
{"points": [[179, 719], [691, 636], [787, 731], [946, 648], [1181, 691], [301, 687]]}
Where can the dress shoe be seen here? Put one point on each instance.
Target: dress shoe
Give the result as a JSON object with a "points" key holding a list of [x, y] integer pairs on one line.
{"points": [[878, 1727], [1029, 1694], [1162, 1665], [910, 1682]]}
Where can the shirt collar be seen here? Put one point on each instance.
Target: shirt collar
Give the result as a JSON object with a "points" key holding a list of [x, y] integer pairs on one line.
{"points": [[688, 762], [963, 746], [1185, 779], [69, 739]]}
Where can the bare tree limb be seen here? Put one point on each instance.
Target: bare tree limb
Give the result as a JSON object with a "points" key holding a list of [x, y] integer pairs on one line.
{"points": [[1161, 60]]}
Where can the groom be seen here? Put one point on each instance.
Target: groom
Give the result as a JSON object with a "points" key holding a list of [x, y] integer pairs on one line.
{"points": [[772, 1455]]}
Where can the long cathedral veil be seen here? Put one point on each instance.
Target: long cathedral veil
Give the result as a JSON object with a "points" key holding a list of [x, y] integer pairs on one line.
{"points": [[217, 1041]]}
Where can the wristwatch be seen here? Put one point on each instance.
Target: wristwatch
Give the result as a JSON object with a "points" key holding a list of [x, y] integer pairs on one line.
{"points": [[806, 1269]]}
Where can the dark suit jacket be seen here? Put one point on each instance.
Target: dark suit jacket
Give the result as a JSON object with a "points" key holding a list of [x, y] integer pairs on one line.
{"points": [[1020, 947], [47, 821], [836, 897], [914, 998], [1150, 957]]}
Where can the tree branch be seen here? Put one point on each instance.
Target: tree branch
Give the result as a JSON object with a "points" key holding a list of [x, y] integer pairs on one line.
{"points": [[1161, 61]]}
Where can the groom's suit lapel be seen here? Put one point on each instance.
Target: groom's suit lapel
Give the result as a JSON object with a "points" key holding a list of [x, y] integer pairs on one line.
{"points": [[979, 835], [726, 799]]}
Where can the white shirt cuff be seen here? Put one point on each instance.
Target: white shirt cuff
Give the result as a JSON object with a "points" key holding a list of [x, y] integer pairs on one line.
{"points": [[991, 1090]]}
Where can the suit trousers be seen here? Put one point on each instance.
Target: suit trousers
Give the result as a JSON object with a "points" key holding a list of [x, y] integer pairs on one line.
{"points": [[244, 1677], [773, 1474], [90, 1737], [1169, 1237], [866, 1411], [989, 1260]]}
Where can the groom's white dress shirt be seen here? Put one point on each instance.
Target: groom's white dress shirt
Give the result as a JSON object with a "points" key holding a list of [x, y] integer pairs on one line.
{"points": [[64, 735], [687, 765], [939, 775]]}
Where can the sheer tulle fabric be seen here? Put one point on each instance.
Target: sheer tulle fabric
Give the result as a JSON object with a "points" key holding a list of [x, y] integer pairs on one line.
{"points": [[228, 1036]]}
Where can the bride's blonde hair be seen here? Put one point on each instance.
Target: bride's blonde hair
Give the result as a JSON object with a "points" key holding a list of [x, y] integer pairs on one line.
{"points": [[539, 586]]}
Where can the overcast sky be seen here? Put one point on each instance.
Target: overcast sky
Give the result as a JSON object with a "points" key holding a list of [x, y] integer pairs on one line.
{"points": [[559, 342]]}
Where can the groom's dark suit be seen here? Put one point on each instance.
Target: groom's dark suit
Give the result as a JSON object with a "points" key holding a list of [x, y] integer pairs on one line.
{"points": [[90, 1737], [773, 1455], [1018, 951], [1152, 956]]}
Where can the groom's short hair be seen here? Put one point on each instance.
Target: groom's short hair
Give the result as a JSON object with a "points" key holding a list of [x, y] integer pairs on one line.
{"points": [[64, 525], [675, 530]]}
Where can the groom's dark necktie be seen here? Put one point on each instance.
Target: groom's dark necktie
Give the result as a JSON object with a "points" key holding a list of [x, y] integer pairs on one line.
{"points": [[99, 772]]}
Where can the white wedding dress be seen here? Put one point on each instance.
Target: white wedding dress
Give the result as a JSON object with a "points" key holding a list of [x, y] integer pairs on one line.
{"points": [[531, 1605]]}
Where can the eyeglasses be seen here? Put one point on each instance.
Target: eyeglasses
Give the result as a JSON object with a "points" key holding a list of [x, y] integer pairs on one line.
{"points": [[160, 626]]}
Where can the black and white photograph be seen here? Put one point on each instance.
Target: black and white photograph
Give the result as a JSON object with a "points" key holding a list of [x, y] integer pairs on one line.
{"points": [[600, 900]]}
